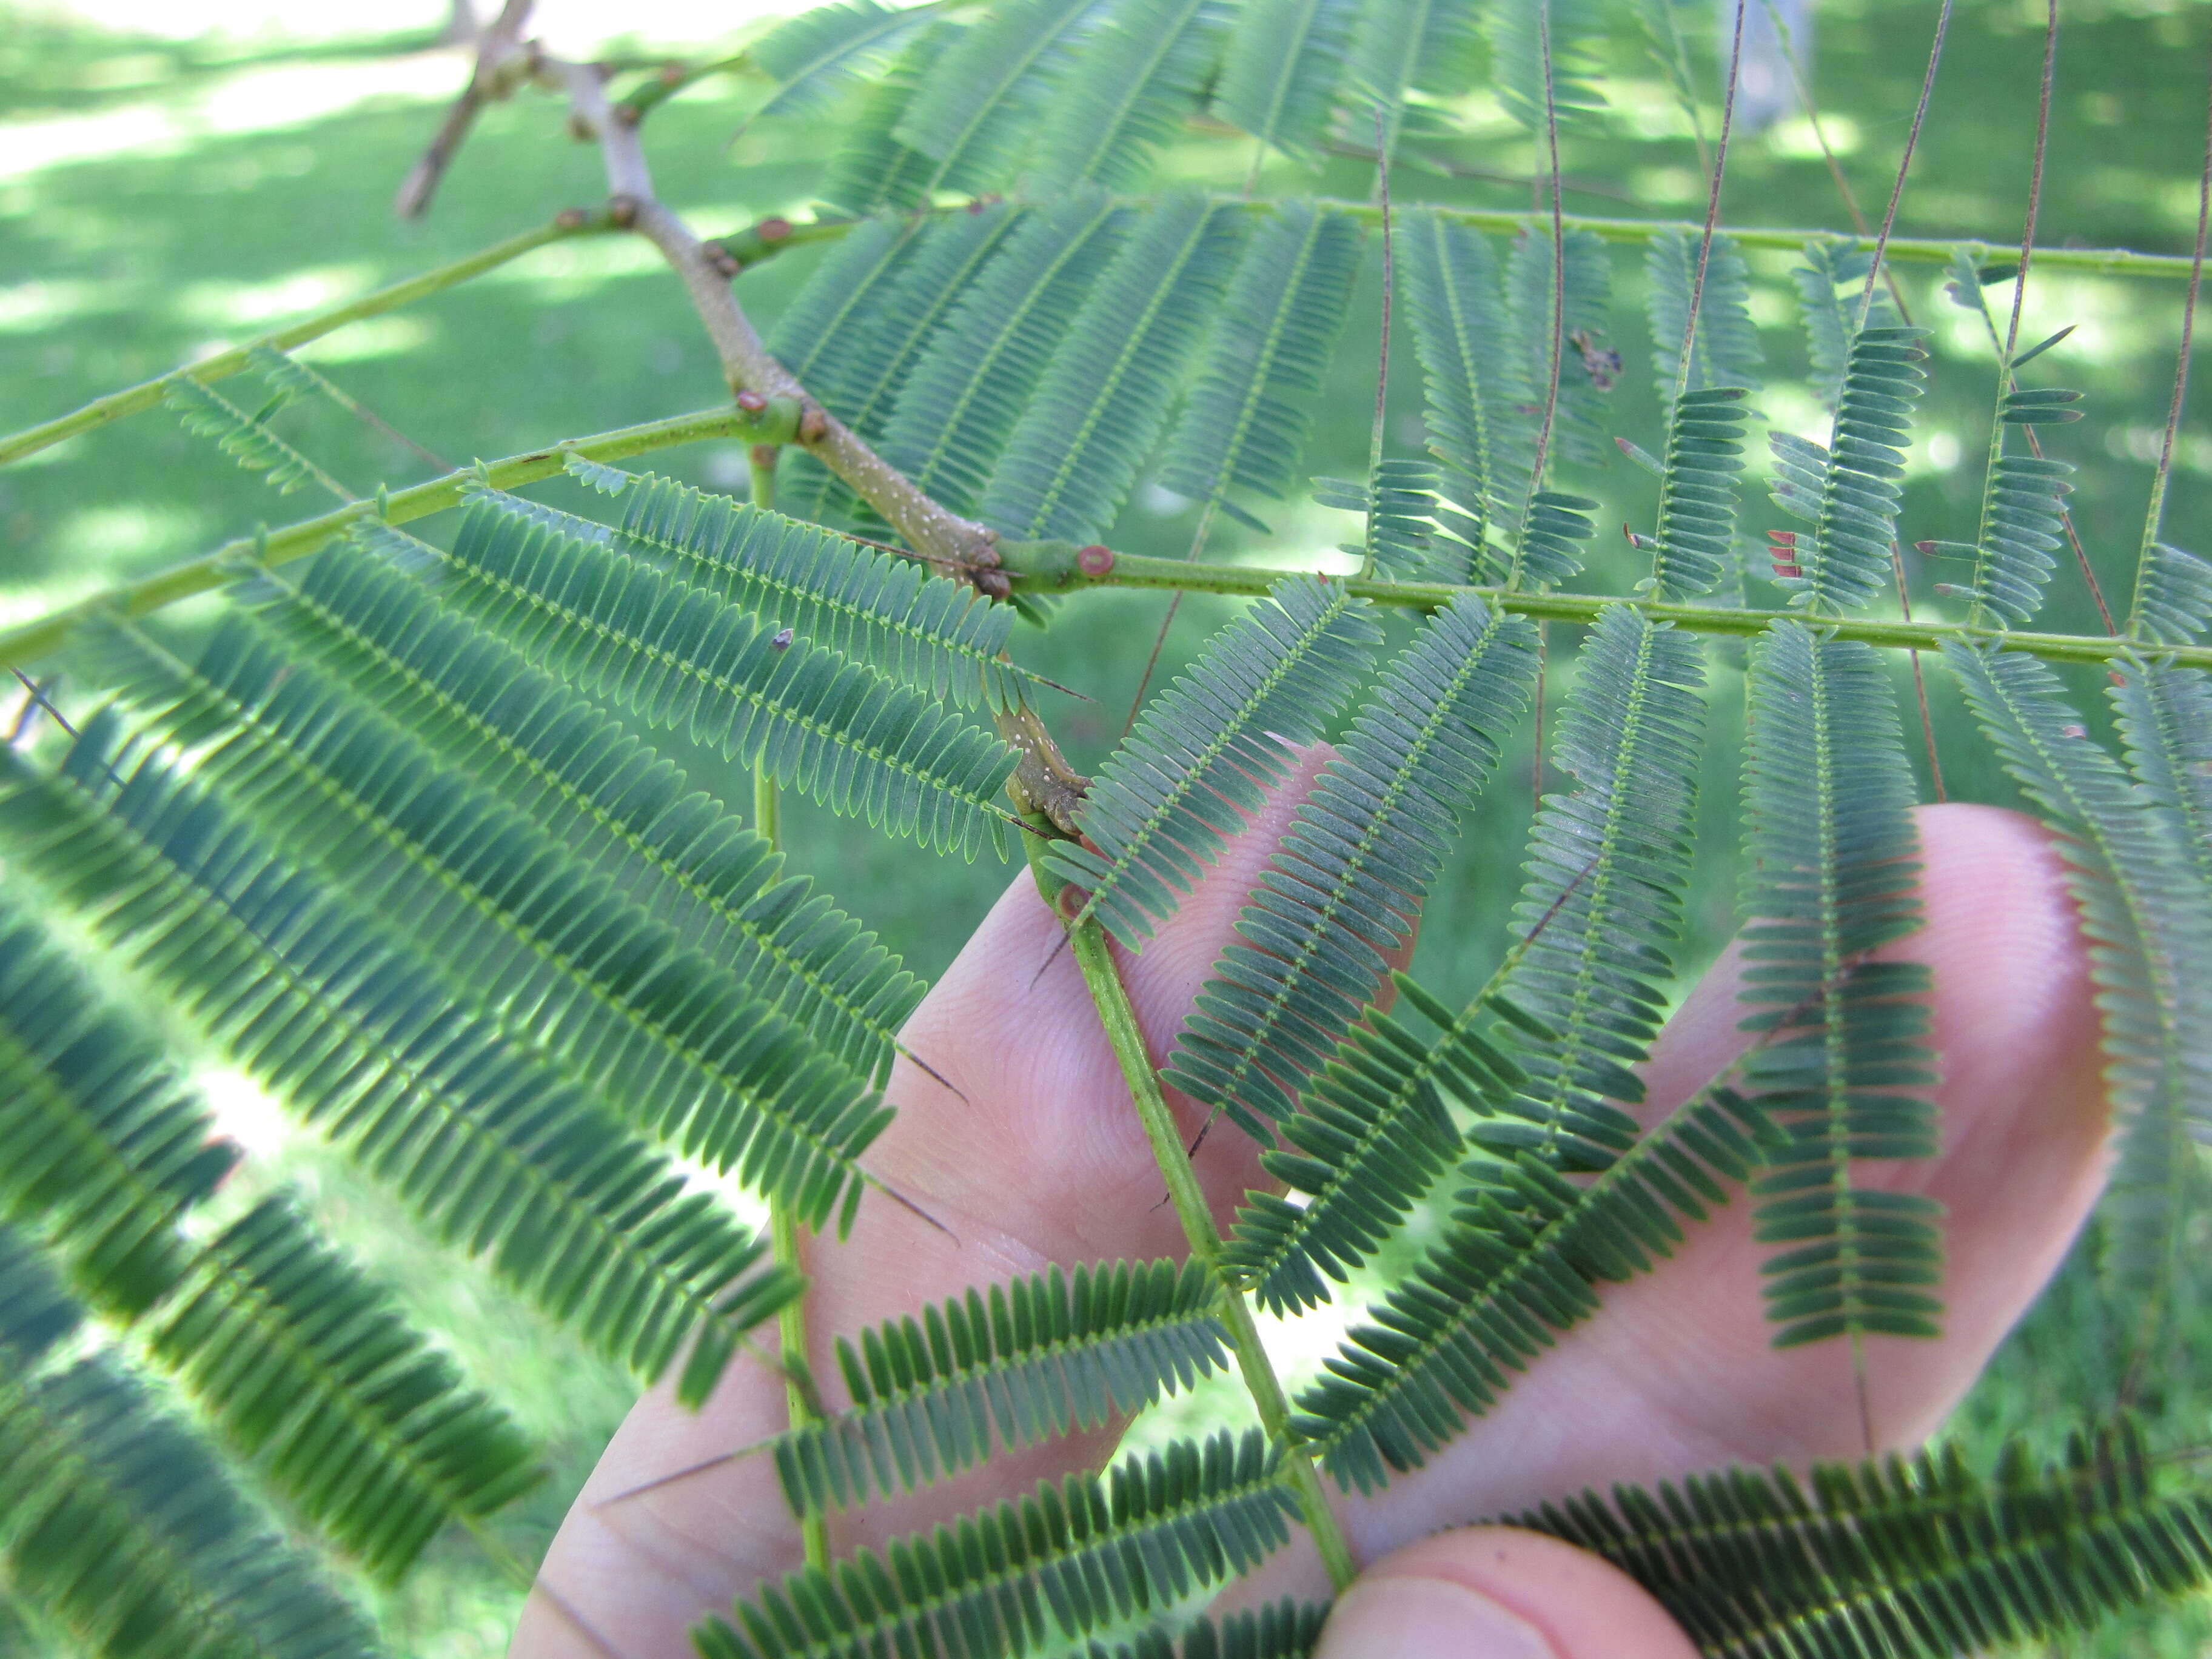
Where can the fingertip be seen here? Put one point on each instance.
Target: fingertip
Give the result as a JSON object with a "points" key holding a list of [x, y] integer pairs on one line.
{"points": [[1499, 1593]]}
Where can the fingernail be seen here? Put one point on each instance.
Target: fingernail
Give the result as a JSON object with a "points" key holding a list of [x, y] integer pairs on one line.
{"points": [[1427, 1618]]}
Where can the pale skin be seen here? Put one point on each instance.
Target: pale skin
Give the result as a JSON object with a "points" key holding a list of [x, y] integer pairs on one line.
{"points": [[1043, 1161]]}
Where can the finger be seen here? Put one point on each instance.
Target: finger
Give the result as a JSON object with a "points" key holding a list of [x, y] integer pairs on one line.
{"points": [[1499, 1593], [1676, 1372], [1027, 1153]]}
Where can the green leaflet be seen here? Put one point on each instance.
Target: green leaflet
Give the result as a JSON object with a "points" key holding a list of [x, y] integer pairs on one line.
{"points": [[1398, 509], [1693, 551], [121, 1523], [1725, 351], [241, 436], [1533, 42], [308, 1368], [1371, 1135], [1203, 752], [537, 945], [1582, 428], [1829, 286], [2135, 874], [1103, 400], [1920, 1558], [1040, 1356], [817, 54], [378, 1442], [871, 171], [1078, 1555], [1281, 1629], [1280, 76], [107, 1147], [977, 109], [1346, 887], [1245, 424], [962, 401], [1521, 1260], [612, 804], [938, 635], [813, 719], [1129, 91], [491, 1149], [1843, 1061], [1849, 489], [1399, 47], [1478, 389], [2023, 521], [828, 323], [1602, 908], [878, 333], [2173, 596]]}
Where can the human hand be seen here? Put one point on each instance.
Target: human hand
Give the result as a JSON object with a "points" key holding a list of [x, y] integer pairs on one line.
{"points": [[1043, 1161]]}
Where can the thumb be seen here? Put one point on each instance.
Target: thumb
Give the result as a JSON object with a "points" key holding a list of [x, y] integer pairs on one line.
{"points": [[1499, 1593]]}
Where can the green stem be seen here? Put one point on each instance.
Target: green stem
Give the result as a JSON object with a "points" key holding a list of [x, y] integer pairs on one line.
{"points": [[129, 401], [791, 1341], [1088, 943], [783, 1225], [1038, 565], [778, 422]]}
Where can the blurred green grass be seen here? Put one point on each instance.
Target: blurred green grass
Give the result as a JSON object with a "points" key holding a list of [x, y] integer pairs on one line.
{"points": [[158, 198]]}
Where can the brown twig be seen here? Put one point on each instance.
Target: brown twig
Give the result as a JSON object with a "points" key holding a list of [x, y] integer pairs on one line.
{"points": [[503, 62], [1042, 779]]}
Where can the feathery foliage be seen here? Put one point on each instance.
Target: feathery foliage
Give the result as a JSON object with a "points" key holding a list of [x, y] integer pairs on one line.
{"points": [[493, 1151], [2131, 870], [1372, 1134], [1918, 1558], [615, 807], [2023, 521], [1848, 489], [818, 54], [1281, 1629], [1040, 1357], [1403, 46], [555, 957], [676, 655], [1477, 393], [107, 1147], [1075, 1556], [1724, 352], [1521, 1259], [1545, 61], [1588, 368], [243, 437], [963, 399], [121, 1523], [1245, 424], [1103, 400], [2173, 596], [1830, 287], [1280, 72], [1199, 757], [871, 170], [1397, 506], [1608, 865], [1693, 549], [308, 1368], [1129, 91], [1843, 1060], [1345, 889], [980, 100], [868, 328], [923, 629]]}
